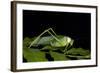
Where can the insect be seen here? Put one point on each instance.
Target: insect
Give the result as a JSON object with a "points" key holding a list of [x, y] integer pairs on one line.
{"points": [[53, 41]]}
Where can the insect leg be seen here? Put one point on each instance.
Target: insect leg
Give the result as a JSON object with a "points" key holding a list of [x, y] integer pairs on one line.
{"points": [[53, 32], [66, 47], [37, 39]]}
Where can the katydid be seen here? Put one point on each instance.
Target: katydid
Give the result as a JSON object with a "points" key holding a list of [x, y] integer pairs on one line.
{"points": [[52, 41]]}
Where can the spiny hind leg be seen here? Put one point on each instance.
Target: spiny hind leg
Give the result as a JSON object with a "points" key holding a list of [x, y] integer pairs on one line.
{"points": [[38, 37]]}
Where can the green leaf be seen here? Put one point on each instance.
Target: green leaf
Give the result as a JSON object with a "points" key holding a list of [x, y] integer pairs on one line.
{"points": [[78, 51], [79, 57], [32, 55], [58, 56], [26, 42]]}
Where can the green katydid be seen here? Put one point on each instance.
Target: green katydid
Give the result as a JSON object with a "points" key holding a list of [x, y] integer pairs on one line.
{"points": [[52, 41]]}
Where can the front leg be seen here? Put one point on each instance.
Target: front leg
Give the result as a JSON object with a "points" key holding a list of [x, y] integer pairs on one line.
{"points": [[65, 49]]}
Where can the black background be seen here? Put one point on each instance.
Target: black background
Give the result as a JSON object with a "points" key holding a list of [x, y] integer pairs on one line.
{"points": [[74, 25]]}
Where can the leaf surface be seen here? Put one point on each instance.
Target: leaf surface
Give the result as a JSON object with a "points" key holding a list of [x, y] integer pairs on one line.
{"points": [[32, 55], [58, 56], [78, 51]]}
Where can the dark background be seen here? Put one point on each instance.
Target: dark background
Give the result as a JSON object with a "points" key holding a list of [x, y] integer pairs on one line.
{"points": [[74, 25]]}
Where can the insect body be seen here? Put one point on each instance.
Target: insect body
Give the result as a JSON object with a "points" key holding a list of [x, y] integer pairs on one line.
{"points": [[52, 41]]}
